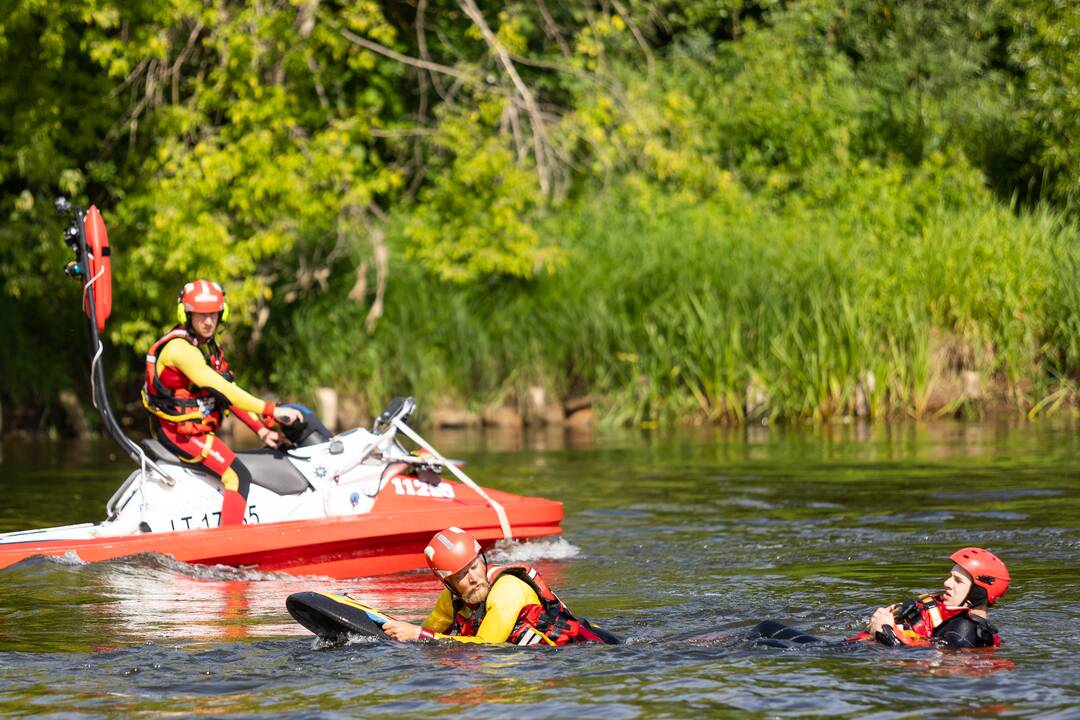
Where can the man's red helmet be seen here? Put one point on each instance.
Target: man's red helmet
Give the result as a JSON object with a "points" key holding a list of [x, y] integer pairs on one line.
{"points": [[987, 571], [451, 550], [201, 296]]}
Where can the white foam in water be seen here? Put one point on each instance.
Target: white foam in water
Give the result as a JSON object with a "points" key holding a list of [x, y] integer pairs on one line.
{"points": [[69, 558], [507, 551], [355, 639], [226, 572]]}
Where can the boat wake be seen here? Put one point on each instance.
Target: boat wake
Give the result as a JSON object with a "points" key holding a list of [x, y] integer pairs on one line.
{"points": [[514, 551]]}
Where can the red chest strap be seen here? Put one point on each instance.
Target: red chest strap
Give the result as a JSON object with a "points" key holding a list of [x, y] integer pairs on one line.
{"points": [[925, 613]]}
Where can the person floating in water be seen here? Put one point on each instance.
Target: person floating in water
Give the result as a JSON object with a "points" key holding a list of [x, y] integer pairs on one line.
{"points": [[492, 604], [957, 618]]}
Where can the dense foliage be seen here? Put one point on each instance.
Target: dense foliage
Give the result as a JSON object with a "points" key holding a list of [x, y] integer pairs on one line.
{"points": [[706, 209]]}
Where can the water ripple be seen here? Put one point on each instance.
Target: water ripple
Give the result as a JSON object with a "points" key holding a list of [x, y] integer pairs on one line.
{"points": [[679, 544]]}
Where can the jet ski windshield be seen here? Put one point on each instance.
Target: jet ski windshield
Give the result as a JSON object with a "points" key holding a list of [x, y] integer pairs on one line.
{"points": [[309, 431]]}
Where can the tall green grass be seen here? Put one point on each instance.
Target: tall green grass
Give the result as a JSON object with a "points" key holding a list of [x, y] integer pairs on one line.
{"points": [[860, 295]]}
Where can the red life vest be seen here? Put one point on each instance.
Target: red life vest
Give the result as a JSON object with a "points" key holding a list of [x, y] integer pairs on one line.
{"points": [[172, 397], [550, 622], [918, 618]]}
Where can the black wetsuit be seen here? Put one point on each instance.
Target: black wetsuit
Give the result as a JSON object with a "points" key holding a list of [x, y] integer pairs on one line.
{"points": [[964, 631], [771, 633], [957, 633]]}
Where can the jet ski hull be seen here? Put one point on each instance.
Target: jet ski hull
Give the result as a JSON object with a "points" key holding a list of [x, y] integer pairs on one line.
{"points": [[389, 539]]}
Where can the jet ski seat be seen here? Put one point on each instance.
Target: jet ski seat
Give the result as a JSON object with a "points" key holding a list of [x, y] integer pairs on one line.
{"points": [[269, 468]]}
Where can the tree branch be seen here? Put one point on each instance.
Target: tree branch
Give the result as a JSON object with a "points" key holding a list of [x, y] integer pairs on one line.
{"points": [[553, 29], [405, 59], [421, 44], [539, 132], [625, 15], [401, 132]]}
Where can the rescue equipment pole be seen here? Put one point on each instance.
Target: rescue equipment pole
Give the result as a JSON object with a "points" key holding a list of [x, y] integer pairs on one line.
{"points": [[98, 393], [76, 237], [504, 523]]}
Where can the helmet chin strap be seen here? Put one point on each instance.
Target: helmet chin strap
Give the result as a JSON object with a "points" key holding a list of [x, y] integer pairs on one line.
{"points": [[976, 596]]}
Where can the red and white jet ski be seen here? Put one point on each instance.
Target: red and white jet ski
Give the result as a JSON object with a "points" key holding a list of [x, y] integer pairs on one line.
{"points": [[355, 504]]}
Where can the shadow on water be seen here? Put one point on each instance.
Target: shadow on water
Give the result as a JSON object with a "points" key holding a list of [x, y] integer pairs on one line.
{"points": [[679, 541]]}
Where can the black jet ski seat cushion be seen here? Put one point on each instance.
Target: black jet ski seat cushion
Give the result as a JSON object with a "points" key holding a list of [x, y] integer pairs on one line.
{"points": [[269, 468]]}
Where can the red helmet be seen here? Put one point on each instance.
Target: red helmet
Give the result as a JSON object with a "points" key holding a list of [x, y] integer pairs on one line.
{"points": [[988, 572], [451, 550], [201, 296]]}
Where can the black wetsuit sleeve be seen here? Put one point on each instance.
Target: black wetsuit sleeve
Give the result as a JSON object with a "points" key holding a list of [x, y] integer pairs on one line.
{"points": [[962, 632]]}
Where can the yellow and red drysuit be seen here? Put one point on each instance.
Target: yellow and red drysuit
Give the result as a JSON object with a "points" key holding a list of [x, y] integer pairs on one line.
{"points": [[189, 389], [520, 609]]}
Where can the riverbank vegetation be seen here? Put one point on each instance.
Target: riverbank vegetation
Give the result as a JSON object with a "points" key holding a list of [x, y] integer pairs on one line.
{"points": [[716, 212]]}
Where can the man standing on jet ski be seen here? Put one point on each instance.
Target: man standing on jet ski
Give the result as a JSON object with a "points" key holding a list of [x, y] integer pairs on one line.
{"points": [[492, 605], [189, 389]]}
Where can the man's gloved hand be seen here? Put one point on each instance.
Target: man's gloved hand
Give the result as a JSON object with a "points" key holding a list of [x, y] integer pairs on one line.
{"points": [[270, 438], [287, 415], [886, 636]]}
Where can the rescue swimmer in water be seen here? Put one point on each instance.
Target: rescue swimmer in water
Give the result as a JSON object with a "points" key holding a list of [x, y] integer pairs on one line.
{"points": [[189, 389], [492, 604], [512, 604], [955, 619]]}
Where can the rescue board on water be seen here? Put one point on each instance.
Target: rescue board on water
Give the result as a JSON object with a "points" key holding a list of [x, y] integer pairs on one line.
{"points": [[336, 617]]}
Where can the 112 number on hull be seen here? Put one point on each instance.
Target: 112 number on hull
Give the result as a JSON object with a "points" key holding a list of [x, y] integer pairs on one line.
{"points": [[406, 485]]}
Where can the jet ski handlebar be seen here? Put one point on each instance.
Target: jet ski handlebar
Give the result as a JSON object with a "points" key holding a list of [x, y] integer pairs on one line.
{"points": [[400, 408]]}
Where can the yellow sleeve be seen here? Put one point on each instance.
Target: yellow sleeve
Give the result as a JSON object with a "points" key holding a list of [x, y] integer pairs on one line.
{"points": [[186, 358], [505, 602], [442, 617]]}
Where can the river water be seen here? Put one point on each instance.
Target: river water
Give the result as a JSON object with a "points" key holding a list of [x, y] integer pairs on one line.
{"points": [[678, 541]]}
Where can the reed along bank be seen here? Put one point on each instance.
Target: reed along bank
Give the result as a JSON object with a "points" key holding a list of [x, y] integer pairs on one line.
{"points": [[755, 212]]}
